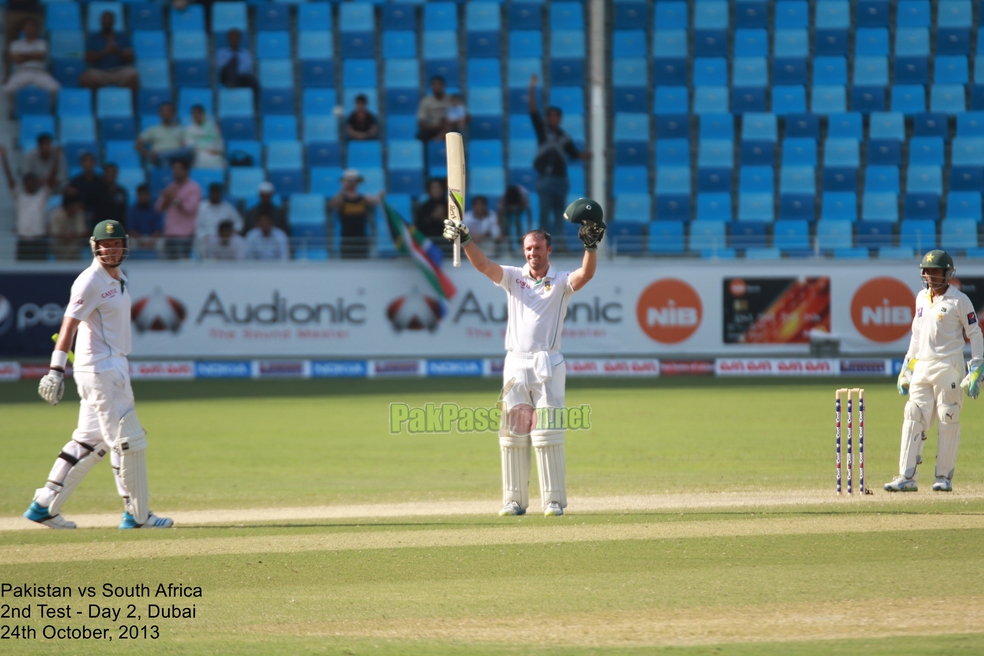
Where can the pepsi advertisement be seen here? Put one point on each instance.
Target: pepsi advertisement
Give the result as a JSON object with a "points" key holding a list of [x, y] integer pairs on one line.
{"points": [[32, 306]]}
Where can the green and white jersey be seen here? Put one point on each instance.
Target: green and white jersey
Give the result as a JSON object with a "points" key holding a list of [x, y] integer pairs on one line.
{"points": [[940, 324], [102, 304], [536, 309]]}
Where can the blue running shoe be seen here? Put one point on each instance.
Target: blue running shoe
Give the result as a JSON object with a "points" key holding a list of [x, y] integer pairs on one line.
{"points": [[39, 514]]}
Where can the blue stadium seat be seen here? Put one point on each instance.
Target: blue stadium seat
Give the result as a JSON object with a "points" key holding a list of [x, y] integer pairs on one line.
{"points": [[791, 235], [243, 181], [925, 179], [567, 16], [792, 13], [401, 44], [189, 46], [284, 155], [231, 15], [154, 74], [487, 180], [280, 128], [72, 102], [440, 16], [149, 44], [277, 101], [911, 53], [318, 74], [193, 73], [484, 73], [856, 253], [715, 160], [316, 46], [482, 44], [799, 151], [111, 101], [522, 43], [756, 206], [631, 12], [359, 73], [629, 77], [947, 98], [951, 69], [871, 71], [402, 126], [672, 152], [631, 180], [876, 234], [829, 71], [767, 253], [325, 180], [959, 234], [316, 17], [408, 154], [954, 19], [323, 153], [872, 13], [365, 154], [626, 238], [797, 192], [871, 42], [670, 57], [913, 13], [66, 44], [63, 16], [235, 102], [756, 179], [666, 237], [190, 97], [710, 71], [714, 206], [271, 16], [122, 153], [525, 16], [919, 234], [77, 129], [833, 20], [751, 43], [273, 45], [191, 17], [707, 235], [829, 99], [834, 233], [880, 206], [921, 206], [717, 126], [788, 99], [33, 125], [848, 125], [749, 234], [117, 127], [629, 43], [881, 179], [277, 74], [447, 68], [791, 49], [145, 16], [964, 205], [357, 25], [711, 100], [841, 162], [633, 208], [711, 23], [306, 209], [896, 252], [886, 133], [239, 128]]}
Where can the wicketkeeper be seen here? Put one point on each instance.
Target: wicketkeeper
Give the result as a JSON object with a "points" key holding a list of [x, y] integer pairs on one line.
{"points": [[99, 310], [932, 371], [534, 374]]}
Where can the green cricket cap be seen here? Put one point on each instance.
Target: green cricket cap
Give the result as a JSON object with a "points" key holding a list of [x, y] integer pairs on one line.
{"points": [[108, 230], [585, 209], [937, 259]]}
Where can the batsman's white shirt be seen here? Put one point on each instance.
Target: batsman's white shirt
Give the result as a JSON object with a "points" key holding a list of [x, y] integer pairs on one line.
{"points": [[938, 328], [536, 310], [102, 304]]}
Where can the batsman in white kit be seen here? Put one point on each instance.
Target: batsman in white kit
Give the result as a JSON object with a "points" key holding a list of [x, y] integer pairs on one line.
{"points": [[932, 372], [534, 373], [99, 310]]}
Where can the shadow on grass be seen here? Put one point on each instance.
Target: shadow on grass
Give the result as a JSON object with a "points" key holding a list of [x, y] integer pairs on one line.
{"points": [[27, 391]]}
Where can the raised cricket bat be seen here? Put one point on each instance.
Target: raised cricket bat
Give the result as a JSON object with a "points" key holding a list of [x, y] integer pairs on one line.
{"points": [[456, 185]]}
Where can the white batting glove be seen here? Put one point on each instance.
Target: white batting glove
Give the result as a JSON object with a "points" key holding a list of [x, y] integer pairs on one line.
{"points": [[971, 384], [454, 230], [52, 386]]}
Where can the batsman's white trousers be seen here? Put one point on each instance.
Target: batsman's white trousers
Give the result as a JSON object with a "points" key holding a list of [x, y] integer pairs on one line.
{"points": [[936, 383], [106, 397], [527, 389]]}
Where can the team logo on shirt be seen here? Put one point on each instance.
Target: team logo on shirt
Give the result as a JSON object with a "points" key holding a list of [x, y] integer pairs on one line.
{"points": [[972, 318], [919, 312]]}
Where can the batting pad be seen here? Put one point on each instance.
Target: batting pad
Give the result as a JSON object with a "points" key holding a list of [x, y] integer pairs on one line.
{"points": [[85, 460], [913, 434], [551, 465], [515, 469], [131, 447], [946, 452]]}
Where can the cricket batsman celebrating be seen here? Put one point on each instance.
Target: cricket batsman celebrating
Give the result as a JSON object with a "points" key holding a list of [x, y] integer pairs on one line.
{"points": [[99, 309], [534, 373], [932, 370]]}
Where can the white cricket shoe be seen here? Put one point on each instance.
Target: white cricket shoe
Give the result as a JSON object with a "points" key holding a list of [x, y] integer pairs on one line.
{"points": [[553, 509], [39, 514], [942, 484], [512, 508], [901, 484]]}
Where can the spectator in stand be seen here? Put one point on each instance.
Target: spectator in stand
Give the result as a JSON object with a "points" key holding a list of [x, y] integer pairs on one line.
{"points": [[164, 143], [362, 124], [516, 213], [17, 12], [458, 115], [213, 212], [90, 187], [41, 160], [354, 209], [431, 214], [144, 223], [483, 225], [432, 113], [110, 58], [228, 245], [235, 64], [69, 229], [204, 137], [266, 206], [31, 211], [29, 54], [554, 148], [116, 199], [179, 201], [266, 241]]}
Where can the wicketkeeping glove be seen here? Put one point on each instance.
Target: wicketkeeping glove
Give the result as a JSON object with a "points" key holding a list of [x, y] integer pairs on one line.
{"points": [[453, 230], [905, 376], [971, 384], [590, 233], [52, 386]]}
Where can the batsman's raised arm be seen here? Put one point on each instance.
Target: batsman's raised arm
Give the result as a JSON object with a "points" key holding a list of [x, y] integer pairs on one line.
{"points": [[589, 264], [452, 230]]}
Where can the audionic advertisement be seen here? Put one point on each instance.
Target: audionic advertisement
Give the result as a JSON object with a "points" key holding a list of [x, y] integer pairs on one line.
{"points": [[665, 309]]}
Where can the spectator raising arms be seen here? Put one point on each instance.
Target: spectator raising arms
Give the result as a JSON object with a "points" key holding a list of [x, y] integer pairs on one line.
{"points": [[41, 160], [361, 124], [31, 206], [179, 201], [266, 241], [110, 58], [354, 209], [68, 228], [29, 54], [165, 142], [235, 64], [203, 135]]}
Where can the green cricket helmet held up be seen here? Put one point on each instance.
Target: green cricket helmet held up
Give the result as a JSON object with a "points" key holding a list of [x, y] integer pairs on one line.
{"points": [[106, 231], [591, 217]]}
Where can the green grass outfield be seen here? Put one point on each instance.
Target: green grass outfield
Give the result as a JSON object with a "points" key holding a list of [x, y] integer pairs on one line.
{"points": [[702, 520]]}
